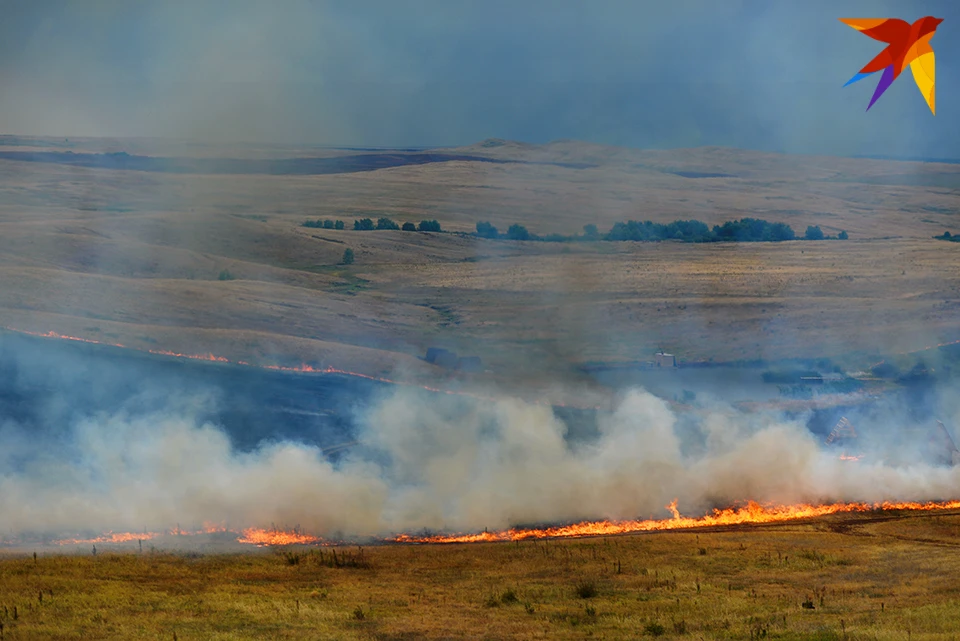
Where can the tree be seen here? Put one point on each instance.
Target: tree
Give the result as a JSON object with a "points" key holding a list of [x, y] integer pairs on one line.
{"points": [[328, 224], [386, 223], [429, 225], [486, 230], [591, 232], [347, 256], [338, 224], [518, 232], [842, 235], [364, 224], [814, 233], [408, 226]]}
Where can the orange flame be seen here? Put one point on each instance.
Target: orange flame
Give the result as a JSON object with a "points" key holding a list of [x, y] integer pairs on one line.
{"points": [[261, 537], [753, 513]]}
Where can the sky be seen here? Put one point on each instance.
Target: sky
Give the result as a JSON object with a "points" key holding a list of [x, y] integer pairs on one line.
{"points": [[757, 74]]}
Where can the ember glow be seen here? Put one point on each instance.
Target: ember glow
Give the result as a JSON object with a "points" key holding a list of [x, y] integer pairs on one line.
{"points": [[752, 513]]}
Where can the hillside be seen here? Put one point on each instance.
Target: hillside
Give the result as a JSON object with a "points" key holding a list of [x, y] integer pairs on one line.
{"points": [[135, 257]]}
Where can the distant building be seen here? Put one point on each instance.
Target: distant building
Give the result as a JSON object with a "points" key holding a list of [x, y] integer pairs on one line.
{"points": [[665, 360]]}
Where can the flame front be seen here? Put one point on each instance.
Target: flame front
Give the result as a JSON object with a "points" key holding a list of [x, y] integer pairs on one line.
{"points": [[752, 513]]}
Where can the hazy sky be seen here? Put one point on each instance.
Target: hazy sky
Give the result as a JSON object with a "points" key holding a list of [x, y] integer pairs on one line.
{"points": [[764, 74]]}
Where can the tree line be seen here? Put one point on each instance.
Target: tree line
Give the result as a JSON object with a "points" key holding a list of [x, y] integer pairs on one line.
{"points": [[367, 224], [690, 231]]}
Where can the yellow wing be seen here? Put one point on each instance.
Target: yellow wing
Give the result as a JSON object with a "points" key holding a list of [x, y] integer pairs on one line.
{"points": [[923, 64]]}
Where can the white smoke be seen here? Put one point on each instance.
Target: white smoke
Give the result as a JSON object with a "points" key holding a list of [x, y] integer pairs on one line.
{"points": [[434, 463]]}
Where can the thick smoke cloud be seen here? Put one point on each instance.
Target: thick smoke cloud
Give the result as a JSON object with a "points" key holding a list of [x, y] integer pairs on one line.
{"points": [[750, 73], [434, 463]]}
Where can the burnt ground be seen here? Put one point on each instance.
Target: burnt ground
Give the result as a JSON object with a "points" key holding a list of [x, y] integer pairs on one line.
{"points": [[46, 385]]}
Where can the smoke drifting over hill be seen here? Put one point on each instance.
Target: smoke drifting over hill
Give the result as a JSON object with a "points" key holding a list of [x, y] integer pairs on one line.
{"points": [[150, 460]]}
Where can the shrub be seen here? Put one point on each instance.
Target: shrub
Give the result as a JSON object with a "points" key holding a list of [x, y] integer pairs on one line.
{"points": [[842, 235], [591, 232], [586, 589], [813, 233], [347, 256], [429, 225], [408, 226], [486, 230], [225, 275], [509, 596], [518, 232], [364, 224], [386, 223], [338, 225], [654, 629], [328, 224]]}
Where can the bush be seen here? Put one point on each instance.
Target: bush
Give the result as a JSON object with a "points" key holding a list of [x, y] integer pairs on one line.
{"points": [[338, 225], [225, 275], [654, 629], [364, 224], [429, 225], [586, 589], [518, 232], [486, 230], [408, 226], [813, 233], [347, 257], [386, 223], [842, 235], [312, 223], [328, 224], [590, 232]]}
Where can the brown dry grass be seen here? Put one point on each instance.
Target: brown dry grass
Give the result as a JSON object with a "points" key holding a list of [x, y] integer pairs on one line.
{"points": [[864, 580], [136, 256]]}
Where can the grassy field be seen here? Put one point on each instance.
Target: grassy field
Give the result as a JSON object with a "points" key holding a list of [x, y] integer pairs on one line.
{"points": [[830, 579], [135, 258]]}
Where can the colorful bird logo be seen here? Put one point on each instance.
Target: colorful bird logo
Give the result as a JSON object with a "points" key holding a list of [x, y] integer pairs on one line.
{"points": [[907, 44]]}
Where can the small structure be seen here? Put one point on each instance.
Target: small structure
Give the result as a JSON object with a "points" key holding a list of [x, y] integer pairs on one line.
{"points": [[665, 360]]}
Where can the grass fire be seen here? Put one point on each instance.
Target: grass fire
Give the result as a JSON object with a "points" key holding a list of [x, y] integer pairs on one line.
{"points": [[324, 321]]}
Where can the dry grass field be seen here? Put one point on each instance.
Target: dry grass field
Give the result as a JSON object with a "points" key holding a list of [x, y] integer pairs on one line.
{"points": [[135, 257], [847, 579]]}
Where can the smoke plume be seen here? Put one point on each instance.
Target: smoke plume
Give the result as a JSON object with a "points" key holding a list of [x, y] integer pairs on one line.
{"points": [[434, 463]]}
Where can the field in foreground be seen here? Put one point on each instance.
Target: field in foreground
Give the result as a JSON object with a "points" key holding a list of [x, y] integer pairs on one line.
{"points": [[850, 578]]}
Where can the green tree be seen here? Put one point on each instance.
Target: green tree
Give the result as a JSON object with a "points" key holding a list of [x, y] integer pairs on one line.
{"points": [[518, 232], [408, 226], [842, 235], [814, 233], [347, 256], [486, 230], [429, 225], [328, 224], [338, 225], [364, 224], [386, 223], [591, 232]]}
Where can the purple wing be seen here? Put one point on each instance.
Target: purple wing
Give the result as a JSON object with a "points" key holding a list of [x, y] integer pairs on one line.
{"points": [[885, 81]]}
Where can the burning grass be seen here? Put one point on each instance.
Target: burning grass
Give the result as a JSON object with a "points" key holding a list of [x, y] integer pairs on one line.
{"points": [[842, 577]]}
